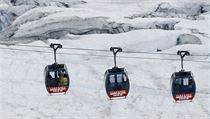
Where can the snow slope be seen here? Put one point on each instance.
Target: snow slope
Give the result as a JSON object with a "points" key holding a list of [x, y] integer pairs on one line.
{"points": [[23, 94]]}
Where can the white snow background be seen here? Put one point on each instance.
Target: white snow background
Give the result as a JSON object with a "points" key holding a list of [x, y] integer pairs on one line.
{"points": [[22, 90]]}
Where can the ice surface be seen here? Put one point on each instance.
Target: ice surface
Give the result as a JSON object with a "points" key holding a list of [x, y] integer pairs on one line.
{"points": [[188, 39], [23, 94]]}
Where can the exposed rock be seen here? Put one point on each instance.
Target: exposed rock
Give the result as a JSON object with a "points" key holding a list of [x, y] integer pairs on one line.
{"points": [[205, 8]]}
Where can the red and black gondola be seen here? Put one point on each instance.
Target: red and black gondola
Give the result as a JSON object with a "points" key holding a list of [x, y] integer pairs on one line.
{"points": [[183, 86], [116, 79], [56, 75]]}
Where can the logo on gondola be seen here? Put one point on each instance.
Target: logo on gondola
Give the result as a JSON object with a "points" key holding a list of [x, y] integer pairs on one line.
{"points": [[184, 96], [57, 89], [118, 93]]}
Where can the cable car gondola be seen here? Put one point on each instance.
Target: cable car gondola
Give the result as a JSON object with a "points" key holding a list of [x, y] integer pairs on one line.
{"points": [[116, 79], [183, 85], [56, 75]]}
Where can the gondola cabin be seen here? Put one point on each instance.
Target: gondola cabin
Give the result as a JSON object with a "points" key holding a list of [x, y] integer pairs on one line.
{"points": [[183, 85], [56, 78], [117, 82], [56, 75], [116, 79]]}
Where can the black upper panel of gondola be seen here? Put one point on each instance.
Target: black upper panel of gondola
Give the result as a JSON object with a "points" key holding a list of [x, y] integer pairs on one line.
{"points": [[182, 73], [56, 66], [116, 70]]}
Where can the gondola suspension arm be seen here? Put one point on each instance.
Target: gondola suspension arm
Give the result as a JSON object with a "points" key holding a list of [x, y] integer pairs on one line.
{"points": [[55, 46], [183, 54], [115, 50]]}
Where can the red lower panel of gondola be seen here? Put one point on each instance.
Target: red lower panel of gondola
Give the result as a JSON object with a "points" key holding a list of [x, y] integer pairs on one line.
{"points": [[184, 96], [58, 89], [118, 93]]}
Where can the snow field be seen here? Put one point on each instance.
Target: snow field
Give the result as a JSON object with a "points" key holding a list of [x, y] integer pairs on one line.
{"points": [[23, 94]]}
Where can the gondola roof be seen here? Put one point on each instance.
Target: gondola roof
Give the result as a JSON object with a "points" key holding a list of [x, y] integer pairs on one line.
{"points": [[56, 66], [116, 70], [183, 73]]}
